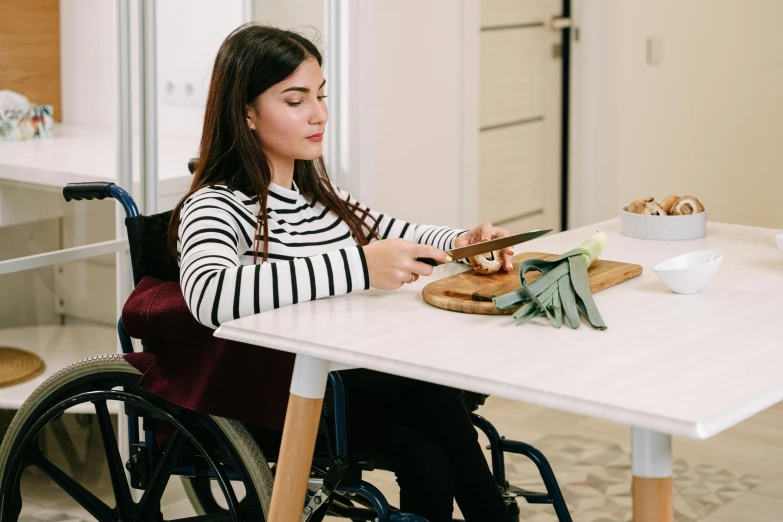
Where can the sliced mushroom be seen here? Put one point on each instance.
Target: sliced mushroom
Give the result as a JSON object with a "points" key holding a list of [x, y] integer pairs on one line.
{"points": [[687, 205], [487, 264]]}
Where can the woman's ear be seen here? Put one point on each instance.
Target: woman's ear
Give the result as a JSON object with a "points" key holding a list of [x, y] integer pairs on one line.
{"points": [[249, 117]]}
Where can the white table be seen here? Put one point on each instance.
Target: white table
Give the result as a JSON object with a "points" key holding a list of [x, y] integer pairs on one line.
{"points": [[668, 364]]}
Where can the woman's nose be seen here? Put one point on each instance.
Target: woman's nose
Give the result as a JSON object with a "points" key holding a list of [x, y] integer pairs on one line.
{"points": [[320, 113]]}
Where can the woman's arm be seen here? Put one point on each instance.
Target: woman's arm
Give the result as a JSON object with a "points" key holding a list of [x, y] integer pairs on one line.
{"points": [[444, 238], [218, 288], [389, 227]]}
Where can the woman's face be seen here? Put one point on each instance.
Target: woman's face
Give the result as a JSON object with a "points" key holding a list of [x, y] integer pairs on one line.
{"points": [[289, 118]]}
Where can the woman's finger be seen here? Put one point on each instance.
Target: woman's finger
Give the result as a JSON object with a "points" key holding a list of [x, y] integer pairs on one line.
{"points": [[420, 268], [430, 251], [486, 231], [508, 260], [468, 238], [499, 232]]}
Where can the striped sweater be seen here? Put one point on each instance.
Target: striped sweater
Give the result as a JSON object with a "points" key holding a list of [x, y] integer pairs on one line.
{"points": [[312, 253]]}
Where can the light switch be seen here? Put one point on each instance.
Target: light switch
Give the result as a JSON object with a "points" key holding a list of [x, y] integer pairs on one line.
{"points": [[654, 50]]}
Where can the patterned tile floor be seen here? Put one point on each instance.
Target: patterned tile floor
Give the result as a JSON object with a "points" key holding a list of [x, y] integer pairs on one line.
{"points": [[595, 478], [717, 480]]}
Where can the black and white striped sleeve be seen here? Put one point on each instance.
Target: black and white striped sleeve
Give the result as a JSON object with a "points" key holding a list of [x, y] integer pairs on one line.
{"points": [[389, 227], [218, 288]]}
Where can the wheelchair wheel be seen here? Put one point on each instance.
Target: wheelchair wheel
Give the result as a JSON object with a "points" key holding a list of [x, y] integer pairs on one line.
{"points": [[207, 446]]}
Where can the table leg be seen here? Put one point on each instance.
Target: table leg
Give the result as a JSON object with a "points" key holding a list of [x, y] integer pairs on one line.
{"points": [[299, 433], [651, 465]]}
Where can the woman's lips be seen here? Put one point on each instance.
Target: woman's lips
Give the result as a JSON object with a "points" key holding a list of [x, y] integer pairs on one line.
{"points": [[316, 137]]}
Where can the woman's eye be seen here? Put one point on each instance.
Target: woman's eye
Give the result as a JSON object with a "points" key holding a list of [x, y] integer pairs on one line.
{"points": [[297, 103]]}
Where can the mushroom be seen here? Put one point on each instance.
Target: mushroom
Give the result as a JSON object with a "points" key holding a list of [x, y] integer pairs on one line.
{"points": [[687, 205], [487, 264], [668, 204], [647, 207]]}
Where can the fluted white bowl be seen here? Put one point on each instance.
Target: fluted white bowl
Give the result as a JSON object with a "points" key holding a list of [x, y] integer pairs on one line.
{"points": [[665, 228], [688, 273]]}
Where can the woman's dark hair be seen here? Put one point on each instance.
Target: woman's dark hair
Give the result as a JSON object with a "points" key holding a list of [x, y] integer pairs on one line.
{"points": [[252, 59]]}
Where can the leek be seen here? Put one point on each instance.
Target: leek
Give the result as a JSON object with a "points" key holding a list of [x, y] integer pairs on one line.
{"points": [[562, 293]]}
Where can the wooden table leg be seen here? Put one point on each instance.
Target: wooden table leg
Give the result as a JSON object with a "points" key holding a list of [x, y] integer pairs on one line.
{"points": [[299, 433], [651, 465]]}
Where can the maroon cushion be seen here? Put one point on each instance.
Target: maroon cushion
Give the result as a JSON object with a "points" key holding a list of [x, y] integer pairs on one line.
{"points": [[185, 364]]}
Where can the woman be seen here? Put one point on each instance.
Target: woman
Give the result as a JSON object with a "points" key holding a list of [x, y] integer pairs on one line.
{"points": [[262, 227]]}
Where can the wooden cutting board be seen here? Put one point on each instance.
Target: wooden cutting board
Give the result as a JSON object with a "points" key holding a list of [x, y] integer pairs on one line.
{"points": [[471, 293]]}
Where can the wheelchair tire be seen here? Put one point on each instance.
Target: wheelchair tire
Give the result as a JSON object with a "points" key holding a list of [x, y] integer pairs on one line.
{"points": [[88, 381]]}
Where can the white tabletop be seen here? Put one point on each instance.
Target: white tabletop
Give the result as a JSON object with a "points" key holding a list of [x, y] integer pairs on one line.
{"points": [[76, 154], [690, 365]]}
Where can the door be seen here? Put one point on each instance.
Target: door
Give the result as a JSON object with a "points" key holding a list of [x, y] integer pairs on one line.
{"points": [[520, 115]]}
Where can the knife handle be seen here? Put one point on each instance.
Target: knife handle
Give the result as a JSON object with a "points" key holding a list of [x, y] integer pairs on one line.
{"points": [[427, 260]]}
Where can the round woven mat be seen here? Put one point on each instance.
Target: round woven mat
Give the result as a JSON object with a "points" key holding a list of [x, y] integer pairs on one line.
{"points": [[18, 366]]}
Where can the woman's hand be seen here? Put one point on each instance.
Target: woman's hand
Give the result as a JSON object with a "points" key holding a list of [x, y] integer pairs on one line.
{"points": [[392, 262], [484, 232]]}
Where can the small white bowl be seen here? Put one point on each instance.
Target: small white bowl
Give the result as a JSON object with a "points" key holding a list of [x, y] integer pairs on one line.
{"points": [[779, 240], [688, 273], [664, 228]]}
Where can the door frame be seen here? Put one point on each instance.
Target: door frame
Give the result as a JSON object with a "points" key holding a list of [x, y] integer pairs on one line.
{"points": [[591, 189]]}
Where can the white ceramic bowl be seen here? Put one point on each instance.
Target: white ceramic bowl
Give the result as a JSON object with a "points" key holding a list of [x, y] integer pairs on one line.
{"points": [[665, 228], [779, 240], [688, 273]]}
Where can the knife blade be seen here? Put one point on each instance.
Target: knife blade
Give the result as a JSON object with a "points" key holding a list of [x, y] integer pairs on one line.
{"points": [[487, 246]]}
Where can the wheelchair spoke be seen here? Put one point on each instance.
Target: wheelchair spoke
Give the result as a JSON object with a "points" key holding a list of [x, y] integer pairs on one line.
{"points": [[160, 477], [119, 482], [95, 506]]}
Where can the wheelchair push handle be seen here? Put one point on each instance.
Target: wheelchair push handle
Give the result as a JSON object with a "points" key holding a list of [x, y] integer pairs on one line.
{"points": [[89, 190], [101, 190]]}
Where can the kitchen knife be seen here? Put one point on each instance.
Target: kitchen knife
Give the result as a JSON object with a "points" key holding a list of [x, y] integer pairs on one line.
{"points": [[483, 247]]}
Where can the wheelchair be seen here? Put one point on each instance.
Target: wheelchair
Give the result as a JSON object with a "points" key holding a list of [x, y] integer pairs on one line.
{"points": [[225, 473]]}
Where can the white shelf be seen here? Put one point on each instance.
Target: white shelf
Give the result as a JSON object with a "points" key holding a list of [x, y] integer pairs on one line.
{"points": [[76, 154], [58, 346]]}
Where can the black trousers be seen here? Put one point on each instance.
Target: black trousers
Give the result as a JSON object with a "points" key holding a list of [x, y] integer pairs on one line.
{"points": [[425, 434]]}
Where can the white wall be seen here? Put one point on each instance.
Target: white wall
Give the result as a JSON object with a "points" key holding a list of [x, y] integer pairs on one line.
{"points": [[304, 16], [87, 48], [706, 121], [188, 37], [417, 147]]}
